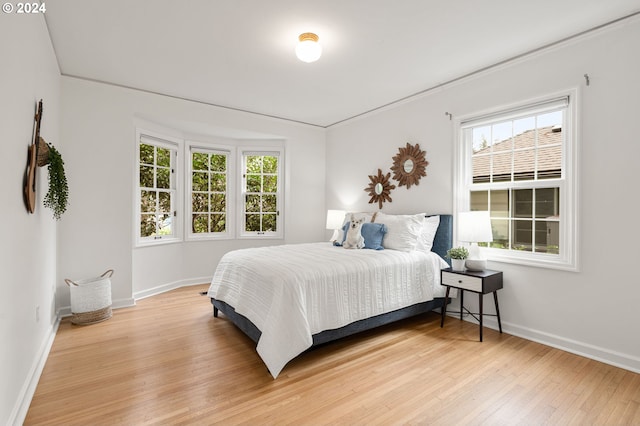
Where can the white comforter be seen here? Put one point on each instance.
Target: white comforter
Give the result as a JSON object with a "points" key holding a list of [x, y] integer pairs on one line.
{"points": [[291, 292]]}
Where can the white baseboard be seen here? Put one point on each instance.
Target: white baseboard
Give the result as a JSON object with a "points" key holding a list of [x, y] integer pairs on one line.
{"points": [[19, 412], [607, 356], [170, 286]]}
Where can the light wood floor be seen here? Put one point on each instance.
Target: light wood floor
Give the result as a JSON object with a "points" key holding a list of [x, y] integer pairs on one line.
{"points": [[168, 361]]}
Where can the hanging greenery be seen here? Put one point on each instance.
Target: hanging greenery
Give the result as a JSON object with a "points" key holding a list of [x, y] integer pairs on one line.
{"points": [[57, 197]]}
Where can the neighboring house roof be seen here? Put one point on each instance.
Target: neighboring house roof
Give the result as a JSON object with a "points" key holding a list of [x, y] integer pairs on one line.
{"points": [[549, 156]]}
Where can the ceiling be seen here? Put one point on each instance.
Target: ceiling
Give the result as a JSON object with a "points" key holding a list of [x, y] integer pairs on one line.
{"points": [[239, 54]]}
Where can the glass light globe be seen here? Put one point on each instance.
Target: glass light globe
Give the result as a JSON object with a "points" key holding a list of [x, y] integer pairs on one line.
{"points": [[308, 49]]}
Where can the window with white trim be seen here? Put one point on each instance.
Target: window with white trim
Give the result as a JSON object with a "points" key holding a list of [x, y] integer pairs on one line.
{"points": [[156, 192], [261, 194], [232, 189], [519, 164], [209, 189]]}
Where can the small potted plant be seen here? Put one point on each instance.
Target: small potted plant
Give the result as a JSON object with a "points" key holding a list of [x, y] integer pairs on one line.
{"points": [[458, 255]]}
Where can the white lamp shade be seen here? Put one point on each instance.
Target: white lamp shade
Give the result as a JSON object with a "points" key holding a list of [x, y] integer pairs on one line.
{"points": [[308, 48], [335, 219], [474, 227]]}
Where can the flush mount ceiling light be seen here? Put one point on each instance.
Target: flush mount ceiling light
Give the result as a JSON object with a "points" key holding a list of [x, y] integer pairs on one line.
{"points": [[308, 48]]}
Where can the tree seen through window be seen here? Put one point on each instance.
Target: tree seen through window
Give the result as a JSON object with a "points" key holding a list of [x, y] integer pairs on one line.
{"points": [[208, 192], [261, 193], [156, 191]]}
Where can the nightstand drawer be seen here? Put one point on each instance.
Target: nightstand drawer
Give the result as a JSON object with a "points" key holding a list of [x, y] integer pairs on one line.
{"points": [[464, 282]]}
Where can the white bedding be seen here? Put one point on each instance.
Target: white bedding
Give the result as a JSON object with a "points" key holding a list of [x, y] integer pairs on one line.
{"points": [[291, 292]]}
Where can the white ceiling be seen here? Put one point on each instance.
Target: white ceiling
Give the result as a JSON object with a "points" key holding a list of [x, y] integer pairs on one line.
{"points": [[240, 53]]}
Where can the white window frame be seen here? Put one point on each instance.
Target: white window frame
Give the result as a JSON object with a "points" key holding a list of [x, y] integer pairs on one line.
{"points": [[567, 259], [229, 151], [261, 150], [175, 145]]}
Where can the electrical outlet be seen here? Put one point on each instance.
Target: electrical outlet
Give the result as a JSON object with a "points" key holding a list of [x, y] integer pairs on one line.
{"points": [[37, 313]]}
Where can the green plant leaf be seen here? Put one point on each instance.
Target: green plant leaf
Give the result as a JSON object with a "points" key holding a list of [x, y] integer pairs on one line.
{"points": [[57, 197]]}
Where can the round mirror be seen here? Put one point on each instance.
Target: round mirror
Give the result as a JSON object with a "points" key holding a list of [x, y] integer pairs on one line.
{"points": [[379, 188], [409, 165]]}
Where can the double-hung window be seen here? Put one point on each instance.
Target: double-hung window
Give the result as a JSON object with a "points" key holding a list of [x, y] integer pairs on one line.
{"points": [[520, 165], [209, 186], [261, 193], [156, 194]]}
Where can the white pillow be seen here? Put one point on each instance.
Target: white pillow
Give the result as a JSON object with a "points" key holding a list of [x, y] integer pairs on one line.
{"points": [[402, 230], [428, 233]]}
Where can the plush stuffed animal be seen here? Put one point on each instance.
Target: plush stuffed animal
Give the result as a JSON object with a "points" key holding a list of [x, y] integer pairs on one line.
{"points": [[354, 237]]}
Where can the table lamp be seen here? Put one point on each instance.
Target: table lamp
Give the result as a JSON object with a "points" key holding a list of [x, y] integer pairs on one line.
{"points": [[475, 227], [335, 220]]}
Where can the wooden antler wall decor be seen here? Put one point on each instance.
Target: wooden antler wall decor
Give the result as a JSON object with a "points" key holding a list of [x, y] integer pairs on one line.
{"points": [[409, 165], [379, 188]]}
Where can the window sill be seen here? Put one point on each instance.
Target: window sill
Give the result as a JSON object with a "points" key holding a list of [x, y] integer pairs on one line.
{"points": [[534, 260], [201, 237], [155, 243], [261, 237]]}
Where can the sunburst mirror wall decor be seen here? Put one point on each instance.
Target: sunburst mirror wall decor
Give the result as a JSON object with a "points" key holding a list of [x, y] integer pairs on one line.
{"points": [[379, 188], [409, 165]]}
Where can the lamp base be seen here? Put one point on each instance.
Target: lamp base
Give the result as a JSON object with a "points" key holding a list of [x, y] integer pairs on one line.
{"points": [[476, 264]]}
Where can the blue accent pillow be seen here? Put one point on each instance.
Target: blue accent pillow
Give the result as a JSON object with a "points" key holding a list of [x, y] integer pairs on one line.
{"points": [[373, 234]]}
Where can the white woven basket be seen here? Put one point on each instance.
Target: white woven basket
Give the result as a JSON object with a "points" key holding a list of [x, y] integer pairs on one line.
{"points": [[91, 299]]}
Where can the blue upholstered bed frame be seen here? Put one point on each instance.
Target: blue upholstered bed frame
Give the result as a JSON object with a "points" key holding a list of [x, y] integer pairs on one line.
{"points": [[441, 243]]}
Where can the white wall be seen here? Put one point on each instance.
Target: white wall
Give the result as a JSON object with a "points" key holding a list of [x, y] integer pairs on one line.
{"points": [[592, 312], [28, 73], [98, 126]]}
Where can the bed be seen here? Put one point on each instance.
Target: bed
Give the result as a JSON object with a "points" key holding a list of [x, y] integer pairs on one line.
{"points": [[289, 298]]}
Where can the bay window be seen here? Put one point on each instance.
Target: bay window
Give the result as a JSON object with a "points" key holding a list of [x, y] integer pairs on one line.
{"points": [[232, 189]]}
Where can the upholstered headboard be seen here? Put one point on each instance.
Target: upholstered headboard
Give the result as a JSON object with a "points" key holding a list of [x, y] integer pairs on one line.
{"points": [[443, 240]]}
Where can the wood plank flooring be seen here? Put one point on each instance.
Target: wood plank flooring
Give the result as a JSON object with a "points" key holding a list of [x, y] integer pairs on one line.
{"points": [[168, 361]]}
